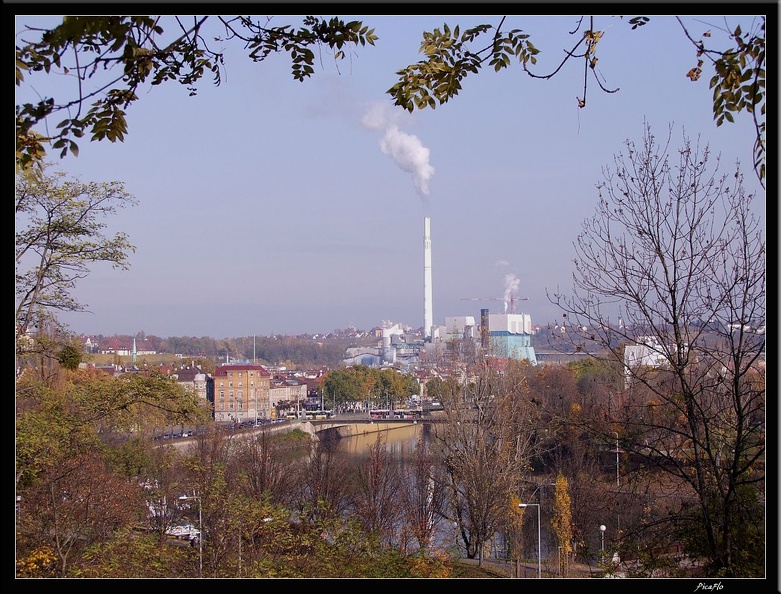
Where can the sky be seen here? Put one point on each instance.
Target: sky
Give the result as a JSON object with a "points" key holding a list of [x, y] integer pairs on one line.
{"points": [[311, 196]]}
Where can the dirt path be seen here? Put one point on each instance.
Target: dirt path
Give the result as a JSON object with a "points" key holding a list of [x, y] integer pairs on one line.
{"points": [[529, 570]]}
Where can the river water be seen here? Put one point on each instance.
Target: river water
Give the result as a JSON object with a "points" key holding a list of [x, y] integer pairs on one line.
{"points": [[400, 441]]}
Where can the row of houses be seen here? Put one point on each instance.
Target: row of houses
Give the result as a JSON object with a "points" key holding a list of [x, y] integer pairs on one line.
{"points": [[244, 392]]}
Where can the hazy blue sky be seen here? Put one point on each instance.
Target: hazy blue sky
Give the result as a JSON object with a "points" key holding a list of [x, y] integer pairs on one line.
{"points": [[294, 189]]}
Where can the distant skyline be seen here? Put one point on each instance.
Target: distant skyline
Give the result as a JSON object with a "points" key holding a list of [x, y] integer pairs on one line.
{"points": [[312, 195]]}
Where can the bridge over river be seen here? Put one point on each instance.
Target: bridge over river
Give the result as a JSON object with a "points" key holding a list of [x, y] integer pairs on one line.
{"points": [[351, 426], [336, 427]]}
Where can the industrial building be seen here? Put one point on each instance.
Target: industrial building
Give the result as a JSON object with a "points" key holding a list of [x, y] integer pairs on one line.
{"points": [[501, 336]]}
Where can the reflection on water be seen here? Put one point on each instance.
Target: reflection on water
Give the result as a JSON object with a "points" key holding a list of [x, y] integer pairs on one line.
{"points": [[400, 441]]}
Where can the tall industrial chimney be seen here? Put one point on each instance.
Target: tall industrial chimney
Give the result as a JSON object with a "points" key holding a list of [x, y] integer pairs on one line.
{"points": [[428, 313]]}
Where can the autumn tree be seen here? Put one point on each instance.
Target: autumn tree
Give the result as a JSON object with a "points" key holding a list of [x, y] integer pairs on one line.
{"points": [[60, 225], [72, 505], [562, 523], [485, 445], [377, 497], [88, 410], [160, 477], [81, 467], [324, 487], [437, 387], [348, 385], [423, 495], [392, 386], [132, 554], [261, 467], [675, 245]]}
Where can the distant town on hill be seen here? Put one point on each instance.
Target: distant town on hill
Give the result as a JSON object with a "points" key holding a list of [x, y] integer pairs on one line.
{"points": [[302, 350]]}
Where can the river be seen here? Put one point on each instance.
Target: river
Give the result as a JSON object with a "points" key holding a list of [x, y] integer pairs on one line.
{"points": [[400, 441]]}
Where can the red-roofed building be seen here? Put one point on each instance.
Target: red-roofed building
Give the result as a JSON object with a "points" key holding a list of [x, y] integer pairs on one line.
{"points": [[241, 393]]}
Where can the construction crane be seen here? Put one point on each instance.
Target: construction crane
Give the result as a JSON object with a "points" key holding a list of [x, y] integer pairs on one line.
{"points": [[512, 299]]}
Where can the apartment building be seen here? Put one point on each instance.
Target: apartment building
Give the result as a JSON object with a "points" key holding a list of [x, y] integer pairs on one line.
{"points": [[241, 393]]}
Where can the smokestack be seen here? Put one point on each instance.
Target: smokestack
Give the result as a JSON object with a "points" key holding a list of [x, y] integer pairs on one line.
{"points": [[428, 314]]}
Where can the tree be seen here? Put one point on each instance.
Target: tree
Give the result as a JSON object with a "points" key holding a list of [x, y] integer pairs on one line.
{"points": [[377, 486], [262, 468], [344, 385], [423, 495], [437, 388], [675, 244], [392, 386], [60, 225], [485, 446], [562, 523], [88, 407], [738, 82], [324, 490], [121, 55], [131, 554], [74, 504]]}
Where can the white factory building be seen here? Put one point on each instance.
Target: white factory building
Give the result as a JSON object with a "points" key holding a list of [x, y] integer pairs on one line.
{"points": [[501, 336]]}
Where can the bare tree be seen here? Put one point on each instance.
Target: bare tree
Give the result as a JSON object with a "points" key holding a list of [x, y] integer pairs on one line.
{"points": [[324, 491], [263, 466], [423, 495], [377, 489], [486, 445], [676, 257]]}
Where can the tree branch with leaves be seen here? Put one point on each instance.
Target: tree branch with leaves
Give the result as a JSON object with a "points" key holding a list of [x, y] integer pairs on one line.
{"points": [[111, 58], [60, 224]]}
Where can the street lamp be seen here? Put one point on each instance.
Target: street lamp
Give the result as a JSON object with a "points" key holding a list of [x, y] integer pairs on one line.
{"points": [[200, 530], [539, 542], [602, 529], [618, 480]]}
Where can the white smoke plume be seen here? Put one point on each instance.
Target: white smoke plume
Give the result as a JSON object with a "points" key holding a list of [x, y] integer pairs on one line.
{"points": [[405, 149], [511, 284]]}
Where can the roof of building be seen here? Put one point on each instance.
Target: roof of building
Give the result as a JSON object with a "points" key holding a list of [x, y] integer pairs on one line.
{"points": [[224, 369]]}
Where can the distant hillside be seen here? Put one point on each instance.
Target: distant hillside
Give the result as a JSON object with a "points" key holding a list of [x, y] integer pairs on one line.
{"points": [[291, 351]]}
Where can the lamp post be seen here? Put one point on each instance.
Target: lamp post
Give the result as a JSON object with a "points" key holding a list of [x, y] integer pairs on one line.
{"points": [[539, 541], [618, 479], [602, 529], [200, 530]]}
